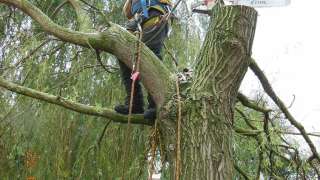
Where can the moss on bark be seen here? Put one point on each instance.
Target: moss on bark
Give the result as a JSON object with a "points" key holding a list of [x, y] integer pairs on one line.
{"points": [[209, 105]]}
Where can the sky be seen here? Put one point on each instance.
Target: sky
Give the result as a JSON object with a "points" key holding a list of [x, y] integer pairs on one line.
{"points": [[286, 49]]}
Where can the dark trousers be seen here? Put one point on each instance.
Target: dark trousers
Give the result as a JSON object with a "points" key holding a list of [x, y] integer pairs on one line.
{"points": [[154, 38]]}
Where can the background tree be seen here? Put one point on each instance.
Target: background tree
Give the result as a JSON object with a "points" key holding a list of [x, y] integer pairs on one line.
{"points": [[48, 141]]}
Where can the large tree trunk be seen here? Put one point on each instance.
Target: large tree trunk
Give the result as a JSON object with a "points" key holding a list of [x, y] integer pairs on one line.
{"points": [[206, 144]]}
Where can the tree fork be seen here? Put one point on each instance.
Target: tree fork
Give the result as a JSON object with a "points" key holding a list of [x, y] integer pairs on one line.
{"points": [[206, 144]]}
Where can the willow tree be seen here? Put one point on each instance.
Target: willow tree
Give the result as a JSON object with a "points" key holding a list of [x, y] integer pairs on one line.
{"points": [[205, 106]]}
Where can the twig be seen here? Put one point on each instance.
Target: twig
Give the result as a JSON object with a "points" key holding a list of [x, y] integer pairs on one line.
{"points": [[298, 134], [100, 61], [291, 104], [171, 54], [103, 133], [246, 119], [240, 171], [58, 8], [91, 6]]}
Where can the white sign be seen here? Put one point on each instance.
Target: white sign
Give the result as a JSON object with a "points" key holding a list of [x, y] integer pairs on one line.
{"points": [[261, 3]]}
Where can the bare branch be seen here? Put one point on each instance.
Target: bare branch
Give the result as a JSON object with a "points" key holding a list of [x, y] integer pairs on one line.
{"points": [[246, 119], [268, 89], [298, 134], [240, 171], [250, 104], [81, 108]]}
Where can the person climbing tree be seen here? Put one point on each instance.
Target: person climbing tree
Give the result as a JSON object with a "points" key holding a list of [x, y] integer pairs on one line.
{"points": [[149, 14]]}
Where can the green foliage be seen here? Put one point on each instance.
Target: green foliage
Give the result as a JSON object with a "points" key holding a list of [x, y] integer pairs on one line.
{"points": [[49, 142], [267, 149]]}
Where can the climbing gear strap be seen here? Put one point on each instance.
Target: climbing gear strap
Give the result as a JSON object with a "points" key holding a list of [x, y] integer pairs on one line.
{"points": [[166, 2], [163, 22], [151, 22], [143, 6]]}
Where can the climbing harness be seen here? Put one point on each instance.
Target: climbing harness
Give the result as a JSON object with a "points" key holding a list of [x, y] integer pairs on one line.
{"points": [[163, 22], [145, 5]]}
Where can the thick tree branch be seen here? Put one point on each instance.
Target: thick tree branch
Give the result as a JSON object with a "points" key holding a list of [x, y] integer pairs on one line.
{"points": [[248, 103], [268, 89], [116, 40], [81, 108], [247, 132]]}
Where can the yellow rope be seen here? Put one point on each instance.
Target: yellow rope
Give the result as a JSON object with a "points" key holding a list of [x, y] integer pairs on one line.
{"points": [[178, 145], [154, 142]]}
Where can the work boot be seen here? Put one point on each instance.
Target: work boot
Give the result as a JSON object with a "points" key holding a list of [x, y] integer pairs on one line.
{"points": [[137, 104], [151, 112]]}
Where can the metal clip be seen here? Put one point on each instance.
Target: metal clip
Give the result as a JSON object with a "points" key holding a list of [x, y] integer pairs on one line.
{"points": [[139, 27]]}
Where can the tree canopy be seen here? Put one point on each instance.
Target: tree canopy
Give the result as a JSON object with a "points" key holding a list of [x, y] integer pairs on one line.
{"points": [[48, 52]]}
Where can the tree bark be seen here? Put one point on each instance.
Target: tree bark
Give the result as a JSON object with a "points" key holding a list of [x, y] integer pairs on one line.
{"points": [[209, 104]]}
